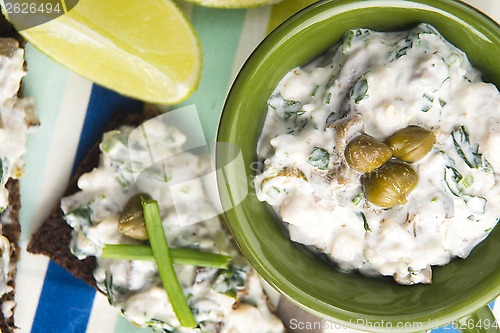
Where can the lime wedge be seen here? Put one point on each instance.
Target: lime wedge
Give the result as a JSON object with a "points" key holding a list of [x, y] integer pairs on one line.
{"points": [[234, 3], [143, 49]]}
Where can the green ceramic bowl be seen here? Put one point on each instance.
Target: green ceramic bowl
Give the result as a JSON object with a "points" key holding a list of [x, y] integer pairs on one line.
{"points": [[459, 288]]}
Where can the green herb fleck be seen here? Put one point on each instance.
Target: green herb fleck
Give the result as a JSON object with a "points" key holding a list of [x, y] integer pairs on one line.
{"points": [[84, 212], [359, 90], [1, 171], [293, 113], [426, 108], [486, 165], [365, 222], [467, 151], [453, 182], [429, 98], [111, 139], [297, 126], [331, 117], [328, 98], [319, 158], [467, 181], [273, 191], [124, 183], [315, 90], [108, 285], [230, 281]]}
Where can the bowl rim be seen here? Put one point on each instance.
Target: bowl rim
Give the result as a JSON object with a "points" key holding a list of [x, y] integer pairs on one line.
{"points": [[284, 29]]}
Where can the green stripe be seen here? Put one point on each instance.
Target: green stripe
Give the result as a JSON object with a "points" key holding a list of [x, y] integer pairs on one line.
{"points": [[283, 10], [219, 31], [47, 90], [124, 326]]}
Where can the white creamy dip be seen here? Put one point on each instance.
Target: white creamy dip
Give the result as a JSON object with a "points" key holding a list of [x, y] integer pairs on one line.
{"points": [[17, 118], [378, 83], [134, 287]]}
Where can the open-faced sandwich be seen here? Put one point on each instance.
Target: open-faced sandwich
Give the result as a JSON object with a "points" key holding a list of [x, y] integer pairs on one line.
{"points": [[17, 117], [111, 227]]}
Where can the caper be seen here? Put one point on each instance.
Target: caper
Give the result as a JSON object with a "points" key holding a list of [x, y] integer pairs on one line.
{"points": [[131, 221], [389, 185], [365, 153], [411, 143]]}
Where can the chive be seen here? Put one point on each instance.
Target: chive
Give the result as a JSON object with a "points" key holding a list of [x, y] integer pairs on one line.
{"points": [[179, 256], [163, 260], [357, 199]]}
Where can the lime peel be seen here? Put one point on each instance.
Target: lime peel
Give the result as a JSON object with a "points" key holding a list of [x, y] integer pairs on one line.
{"points": [[234, 3], [155, 62]]}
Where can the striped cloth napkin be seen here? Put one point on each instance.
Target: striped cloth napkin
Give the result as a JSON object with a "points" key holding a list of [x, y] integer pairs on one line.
{"points": [[74, 112]]}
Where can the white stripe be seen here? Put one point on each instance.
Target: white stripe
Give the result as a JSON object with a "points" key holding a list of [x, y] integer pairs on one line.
{"points": [[59, 161], [103, 316], [491, 8], [253, 32], [496, 309], [63, 148], [29, 282]]}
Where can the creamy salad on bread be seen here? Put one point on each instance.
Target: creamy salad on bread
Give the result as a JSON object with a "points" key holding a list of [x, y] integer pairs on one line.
{"points": [[102, 215]]}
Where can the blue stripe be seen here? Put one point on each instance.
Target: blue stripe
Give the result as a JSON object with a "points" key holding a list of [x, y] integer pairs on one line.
{"points": [[445, 329], [103, 105], [65, 303]]}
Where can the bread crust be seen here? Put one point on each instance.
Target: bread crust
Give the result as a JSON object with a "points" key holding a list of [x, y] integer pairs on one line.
{"points": [[11, 229]]}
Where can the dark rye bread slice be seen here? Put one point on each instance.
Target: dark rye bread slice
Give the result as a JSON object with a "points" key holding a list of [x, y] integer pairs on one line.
{"points": [[53, 237], [11, 229], [9, 219]]}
